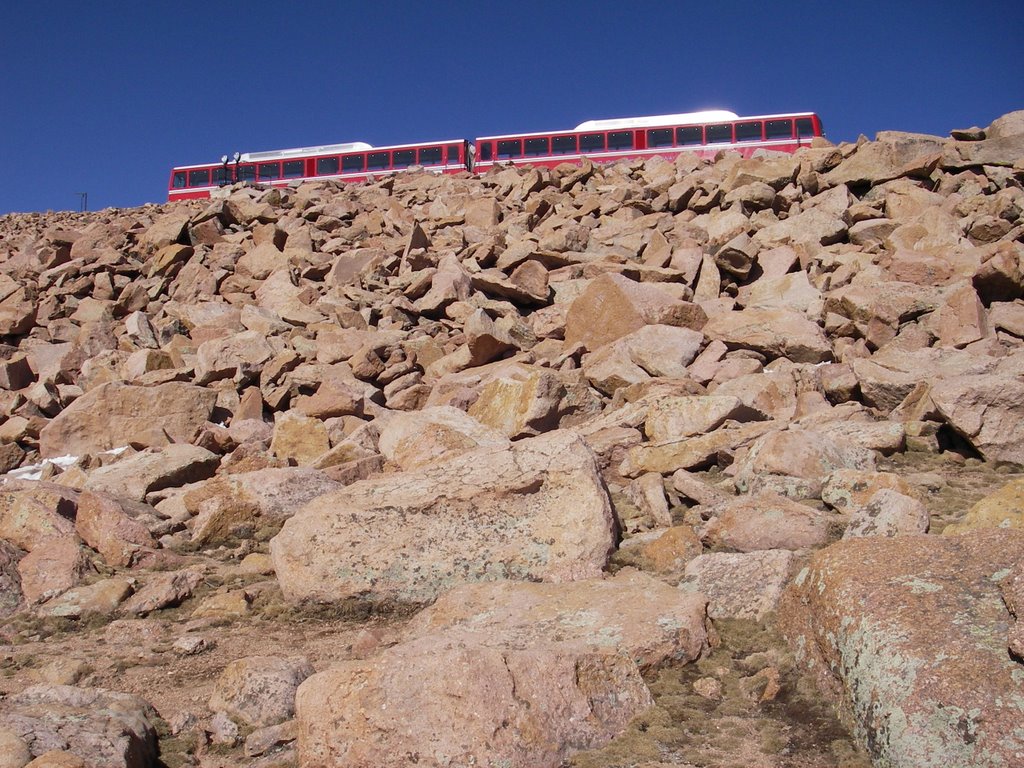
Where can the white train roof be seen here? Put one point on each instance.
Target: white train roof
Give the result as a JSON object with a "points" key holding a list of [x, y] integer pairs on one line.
{"points": [[707, 116], [323, 149]]}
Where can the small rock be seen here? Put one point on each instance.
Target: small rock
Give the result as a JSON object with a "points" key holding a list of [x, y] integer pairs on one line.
{"points": [[192, 645], [164, 590], [223, 730], [263, 740], [64, 671], [233, 604], [709, 688]]}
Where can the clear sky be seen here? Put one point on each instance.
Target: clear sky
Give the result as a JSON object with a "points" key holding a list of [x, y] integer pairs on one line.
{"points": [[105, 97]]}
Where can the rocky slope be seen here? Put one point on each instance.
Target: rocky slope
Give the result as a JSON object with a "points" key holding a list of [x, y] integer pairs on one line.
{"points": [[693, 463]]}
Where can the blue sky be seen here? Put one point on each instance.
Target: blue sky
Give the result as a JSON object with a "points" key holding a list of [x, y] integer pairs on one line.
{"points": [[106, 97]]}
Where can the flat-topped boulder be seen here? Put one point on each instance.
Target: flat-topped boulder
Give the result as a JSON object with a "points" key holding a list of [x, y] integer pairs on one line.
{"points": [[114, 415], [534, 511]]}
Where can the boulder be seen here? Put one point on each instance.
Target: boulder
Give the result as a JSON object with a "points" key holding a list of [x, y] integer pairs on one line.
{"points": [[164, 590], [534, 511], [223, 358], [772, 332], [298, 439], [766, 521], [14, 752], [696, 452], [888, 513], [647, 494], [153, 470], [1012, 589], [1000, 509], [333, 398], [53, 567], [101, 598], [114, 415], [812, 227], [632, 612], [909, 636], [886, 158], [663, 552], [520, 405], [675, 418], [104, 728], [798, 461], [259, 691], [279, 294], [740, 585], [662, 350], [613, 306], [495, 705], [848, 489], [987, 411], [792, 291], [105, 524], [611, 368], [17, 312], [32, 512], [244, 503], [430, 435]]}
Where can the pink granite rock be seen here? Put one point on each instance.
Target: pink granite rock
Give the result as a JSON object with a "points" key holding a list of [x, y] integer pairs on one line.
{"points": [[114, 415], [908, 635], [535, 511]]}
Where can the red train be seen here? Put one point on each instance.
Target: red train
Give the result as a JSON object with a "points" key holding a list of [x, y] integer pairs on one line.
{"points": [[705, 133]]}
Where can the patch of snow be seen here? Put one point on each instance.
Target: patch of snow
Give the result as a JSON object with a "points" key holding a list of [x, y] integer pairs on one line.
{"points": [[35, 471]]}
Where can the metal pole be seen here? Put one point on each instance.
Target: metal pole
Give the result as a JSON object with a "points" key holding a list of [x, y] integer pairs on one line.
{"points": [[83, 201]]}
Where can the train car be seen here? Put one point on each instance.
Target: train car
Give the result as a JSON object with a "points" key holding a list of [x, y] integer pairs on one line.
{"points": [[705, 133], [355, 161]]}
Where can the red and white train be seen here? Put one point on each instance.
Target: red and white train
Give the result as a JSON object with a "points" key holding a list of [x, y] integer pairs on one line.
{"points": [[705, 133]]}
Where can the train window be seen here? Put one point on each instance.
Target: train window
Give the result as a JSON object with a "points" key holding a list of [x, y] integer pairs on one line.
{"points": [[719, 133], [179, 180], [269, 171], [432, 155], [592, 142], [485, 151], [804, 127], [293, 169], [659, 137], [748, 131], [778, 129], [199, 178], [453, 155], [221, 176], [563, 145], [403, 158], [537, 147], [378, 161], [325, 166], [620, 140], [353, 163], [246, 173], [689, 136], [510, 148]]}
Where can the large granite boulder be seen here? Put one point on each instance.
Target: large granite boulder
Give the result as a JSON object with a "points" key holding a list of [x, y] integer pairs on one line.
{"points": [[536, 510], [910, 636], [114, 415]]}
